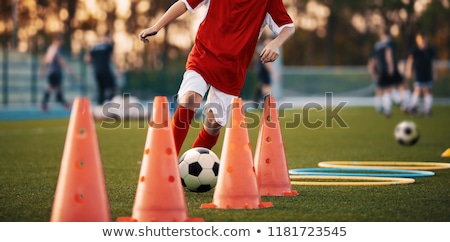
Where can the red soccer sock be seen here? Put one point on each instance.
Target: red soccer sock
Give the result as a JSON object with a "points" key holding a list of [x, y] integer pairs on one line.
{"points": [[205, 140], [181, 121]]}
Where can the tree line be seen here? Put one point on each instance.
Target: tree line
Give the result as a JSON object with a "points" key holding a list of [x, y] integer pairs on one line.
{"points": [[329, 32]]}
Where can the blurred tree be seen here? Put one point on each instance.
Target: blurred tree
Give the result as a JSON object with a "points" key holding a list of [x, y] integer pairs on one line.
{"points": [[435, 24], [338, 21], [6, 22], [329, 32], [352, 28]]}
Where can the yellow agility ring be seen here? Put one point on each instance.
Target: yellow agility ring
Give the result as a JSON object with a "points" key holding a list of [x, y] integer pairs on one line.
{"points": [[406, 165], [359, 181]]}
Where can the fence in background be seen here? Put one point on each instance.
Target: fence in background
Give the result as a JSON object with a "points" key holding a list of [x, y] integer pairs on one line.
{"points": [[21, 83]]}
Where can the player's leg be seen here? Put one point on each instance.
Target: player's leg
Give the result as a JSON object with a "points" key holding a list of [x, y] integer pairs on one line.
{"points": [[377, 99], [383, 95], [427, 98], [190, 96], [405, 96], [208, 136], [387, 101], [414, 98], [110, 91], [60, 97], [398, 89], [56, 84], [216, 112], [46, 97], [100, 88], [258, 93], [53, 80], [396, 95], [266, 89]]}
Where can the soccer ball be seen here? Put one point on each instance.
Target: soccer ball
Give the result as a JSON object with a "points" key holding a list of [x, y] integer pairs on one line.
{"points": [[199, 168], [406, 133]]}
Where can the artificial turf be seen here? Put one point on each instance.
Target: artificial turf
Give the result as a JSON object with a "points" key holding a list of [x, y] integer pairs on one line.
{"points": [[31, 152]]}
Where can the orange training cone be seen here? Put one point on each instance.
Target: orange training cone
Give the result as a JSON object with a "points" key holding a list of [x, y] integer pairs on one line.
{"points": [[236, 186], [80, 194], [160, 194], [446, 153], [270, 159]]}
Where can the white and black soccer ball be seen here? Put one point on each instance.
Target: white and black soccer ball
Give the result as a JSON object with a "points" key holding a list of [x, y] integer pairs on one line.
{"points": [[199, 168], [406, 133]]}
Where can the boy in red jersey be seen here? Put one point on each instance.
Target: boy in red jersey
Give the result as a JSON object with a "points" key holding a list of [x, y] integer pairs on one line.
{"points": [[224, 45]]}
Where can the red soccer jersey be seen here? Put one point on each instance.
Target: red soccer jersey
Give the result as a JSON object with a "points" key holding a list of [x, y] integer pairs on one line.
{"points": [[227, 38]]}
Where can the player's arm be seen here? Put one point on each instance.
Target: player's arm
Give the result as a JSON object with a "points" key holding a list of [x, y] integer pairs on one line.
{"points": [[371, 68], [87, 57], [64, 64], [271, 51], [42, 67], [408, 67], [389, 60], [116, 65], [434, 69], [176, 10]]}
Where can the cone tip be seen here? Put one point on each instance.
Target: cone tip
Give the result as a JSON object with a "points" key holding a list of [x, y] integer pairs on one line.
{"points": [[446, 153]]}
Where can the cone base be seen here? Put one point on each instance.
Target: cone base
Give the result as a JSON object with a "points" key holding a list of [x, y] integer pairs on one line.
{"points": [[234, 206], [291, 193], [125, 219], [277, 190], [130, 219], [446, 153]]}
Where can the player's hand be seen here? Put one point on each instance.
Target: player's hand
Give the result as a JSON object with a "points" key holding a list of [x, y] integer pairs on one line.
{"points": [[270, 53], [147, 33]]}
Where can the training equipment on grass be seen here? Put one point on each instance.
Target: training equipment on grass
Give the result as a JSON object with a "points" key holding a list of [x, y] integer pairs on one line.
{"points": [[351, 181], [270, 158], [236, 186], [80, 194], [406, 133], [367, 172], [446, 153], [404, 165], [199, 168], [159, 195]]}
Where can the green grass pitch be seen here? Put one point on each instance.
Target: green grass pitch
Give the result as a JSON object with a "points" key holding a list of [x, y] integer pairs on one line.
{"points": [[31, 151]]}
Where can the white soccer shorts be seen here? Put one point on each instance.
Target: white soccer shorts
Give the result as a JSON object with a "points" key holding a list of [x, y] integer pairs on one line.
{"points": [[217, 101]]}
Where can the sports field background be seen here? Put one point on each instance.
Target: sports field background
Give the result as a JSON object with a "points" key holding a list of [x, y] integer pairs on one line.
{"points": [[31, 153]]}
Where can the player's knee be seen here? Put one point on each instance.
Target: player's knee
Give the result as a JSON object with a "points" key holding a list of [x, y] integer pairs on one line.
{"points": [[211, 125], [191, 100]]}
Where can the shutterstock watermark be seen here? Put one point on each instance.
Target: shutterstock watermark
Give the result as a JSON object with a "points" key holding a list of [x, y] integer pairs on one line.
{"points": [[311, 115]]}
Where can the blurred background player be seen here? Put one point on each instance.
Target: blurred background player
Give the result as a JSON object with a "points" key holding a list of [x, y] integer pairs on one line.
{"points": [[382, 66], [53, 65], [266, 73], [218, 62], [102, 59], [401, 93], [421, 61]]}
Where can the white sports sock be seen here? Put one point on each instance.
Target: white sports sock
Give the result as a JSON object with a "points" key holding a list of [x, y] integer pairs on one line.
{"points": [[406, 96], [377, 103], [387, 103], [414, 100], [396, 96], [428, 103]]}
